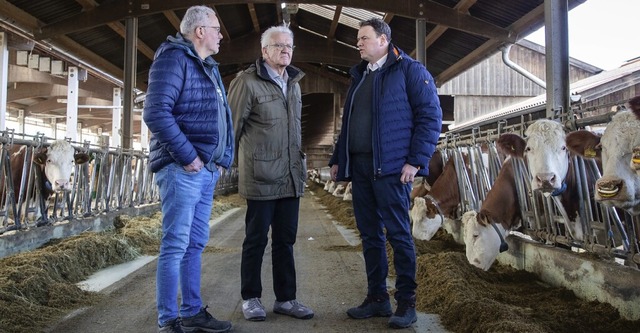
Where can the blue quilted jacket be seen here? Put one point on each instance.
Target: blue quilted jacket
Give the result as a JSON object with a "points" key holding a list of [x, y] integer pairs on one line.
{"points": [[181, 107], [407, 118]]}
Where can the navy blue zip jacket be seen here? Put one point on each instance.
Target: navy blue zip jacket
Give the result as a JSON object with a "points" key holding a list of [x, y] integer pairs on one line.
{"points": [[181, 107], [407, 118]]}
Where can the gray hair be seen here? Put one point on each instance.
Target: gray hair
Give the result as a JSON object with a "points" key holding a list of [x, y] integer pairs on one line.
{"points": [[193, 18], [269, 33], [379, 26]]}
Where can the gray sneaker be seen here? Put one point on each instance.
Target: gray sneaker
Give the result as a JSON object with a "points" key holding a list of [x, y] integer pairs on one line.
{"points": [[293, 308], [253, 309]]}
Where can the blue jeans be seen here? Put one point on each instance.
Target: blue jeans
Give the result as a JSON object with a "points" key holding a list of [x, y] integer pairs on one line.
{"points": [[383, 203], [187, 198]]}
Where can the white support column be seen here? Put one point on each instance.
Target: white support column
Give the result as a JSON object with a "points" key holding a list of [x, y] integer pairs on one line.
{"points": [[116, 119], [4, 74], [21, 126], [72, 103], [54, 127], [79, 132], [144, 135]]}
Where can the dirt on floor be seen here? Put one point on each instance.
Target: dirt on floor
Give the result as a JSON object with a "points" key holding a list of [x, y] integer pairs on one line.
{"points": [[39, 287], [503, 299]]}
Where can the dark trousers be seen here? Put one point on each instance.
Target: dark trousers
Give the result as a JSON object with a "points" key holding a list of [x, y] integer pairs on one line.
{"points": [[378, 204], [282, 216]]}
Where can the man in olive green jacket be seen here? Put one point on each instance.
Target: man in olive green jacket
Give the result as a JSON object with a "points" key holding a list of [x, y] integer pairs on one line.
{"points": [[266, 103]]}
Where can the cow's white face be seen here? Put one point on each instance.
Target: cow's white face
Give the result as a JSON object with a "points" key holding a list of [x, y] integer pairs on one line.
{"points": [[547, 155], [424, 227], [59, 164], [620, 182], [339, 191], [347, 193], [482, 243]]}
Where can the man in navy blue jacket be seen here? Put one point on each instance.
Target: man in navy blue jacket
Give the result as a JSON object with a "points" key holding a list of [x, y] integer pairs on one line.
{"points": [[390, 127], [186, 111]]}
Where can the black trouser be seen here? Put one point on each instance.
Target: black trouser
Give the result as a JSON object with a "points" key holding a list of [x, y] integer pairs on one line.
{"points": [[282, 216]]}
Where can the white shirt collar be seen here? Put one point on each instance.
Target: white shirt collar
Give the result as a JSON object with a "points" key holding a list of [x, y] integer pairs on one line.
{"points": [[378, 64]]}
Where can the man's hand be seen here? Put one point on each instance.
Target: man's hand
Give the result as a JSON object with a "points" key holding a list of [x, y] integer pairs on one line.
{"points": [[408, 173], [194, 166], [334, 172]]}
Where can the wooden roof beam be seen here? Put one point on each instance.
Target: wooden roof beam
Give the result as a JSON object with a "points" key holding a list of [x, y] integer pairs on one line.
{"points": [[433, 12]]}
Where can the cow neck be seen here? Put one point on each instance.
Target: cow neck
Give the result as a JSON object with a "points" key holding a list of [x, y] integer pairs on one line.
{"points": [[504, 246], [435, 204], [559, 191]]}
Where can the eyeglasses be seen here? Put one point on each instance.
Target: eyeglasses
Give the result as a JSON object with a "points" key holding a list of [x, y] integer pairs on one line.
{"points": [[217, 29], [280, 46]]}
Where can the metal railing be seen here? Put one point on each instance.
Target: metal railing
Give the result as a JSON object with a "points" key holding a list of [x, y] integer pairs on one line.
{"points": [[112, 179], [606, 231]]}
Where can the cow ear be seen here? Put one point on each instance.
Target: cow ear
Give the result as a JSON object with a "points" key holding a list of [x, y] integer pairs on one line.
{"points": [[40, 158], [584, 143], [81, 158], [511, 144]]}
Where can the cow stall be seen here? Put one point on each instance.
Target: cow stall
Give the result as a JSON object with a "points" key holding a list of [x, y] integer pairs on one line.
{"points": [[112, 181]]}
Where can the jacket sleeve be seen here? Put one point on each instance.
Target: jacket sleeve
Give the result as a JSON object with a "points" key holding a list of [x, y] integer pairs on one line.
{"points": [[166, 78], [240, 101], [427, 115]]}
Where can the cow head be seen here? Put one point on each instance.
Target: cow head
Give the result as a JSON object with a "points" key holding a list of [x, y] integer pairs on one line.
{"points": [[347, 193], [58, 161], [425, 219], [483, 241], [547, 155], [619, 185]]}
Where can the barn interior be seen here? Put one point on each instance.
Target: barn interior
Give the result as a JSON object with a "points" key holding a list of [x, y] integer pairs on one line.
{"points": [[112, 43]]}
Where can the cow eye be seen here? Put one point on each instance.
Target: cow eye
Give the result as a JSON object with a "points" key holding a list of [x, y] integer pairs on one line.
{"points": [[564, 148], [528, 149]]}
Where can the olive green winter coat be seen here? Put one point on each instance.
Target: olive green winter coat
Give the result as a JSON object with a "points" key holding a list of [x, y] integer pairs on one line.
{"points": [[271, 164]]}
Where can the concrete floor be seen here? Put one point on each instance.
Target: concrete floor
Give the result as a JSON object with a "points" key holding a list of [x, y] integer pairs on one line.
{"points": [[329, 282]]}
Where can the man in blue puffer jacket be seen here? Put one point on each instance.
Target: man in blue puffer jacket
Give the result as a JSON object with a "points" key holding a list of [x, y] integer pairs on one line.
{"points": [[390, 127], [187, 113]]}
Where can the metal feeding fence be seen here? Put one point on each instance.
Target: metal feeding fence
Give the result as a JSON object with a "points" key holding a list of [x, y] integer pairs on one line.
{"points": [[112, 179], [609, 232]]}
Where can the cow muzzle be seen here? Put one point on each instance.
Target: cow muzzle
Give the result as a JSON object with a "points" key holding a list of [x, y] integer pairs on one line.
{"points": [[609, 189]]}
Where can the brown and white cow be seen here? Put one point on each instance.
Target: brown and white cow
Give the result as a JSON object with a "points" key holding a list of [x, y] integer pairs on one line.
{"points": [[619, 185], [430, 210], [551, 171], [485, 231], [423, 187], [54, 166]]}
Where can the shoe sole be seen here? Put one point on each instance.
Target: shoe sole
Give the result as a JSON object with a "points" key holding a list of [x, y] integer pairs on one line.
{"points": [[207, 330], [394, 325], [256, 318], [309, 316], [383, 314]]}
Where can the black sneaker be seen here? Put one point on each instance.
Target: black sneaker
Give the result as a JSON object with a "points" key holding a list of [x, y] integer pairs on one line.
{"points": [[373, 306], [204, 322], [405, 315], [172, 327]]}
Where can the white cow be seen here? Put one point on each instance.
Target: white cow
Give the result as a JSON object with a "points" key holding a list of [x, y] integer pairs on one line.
{"points": [[619, 185], [347, 193], [339, 190]]}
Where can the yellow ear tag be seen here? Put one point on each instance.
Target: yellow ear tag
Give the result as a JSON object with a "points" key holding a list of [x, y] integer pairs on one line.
{"points": [[590, 153]]}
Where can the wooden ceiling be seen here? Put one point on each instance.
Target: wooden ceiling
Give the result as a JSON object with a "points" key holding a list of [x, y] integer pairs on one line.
{"points": [[91, 34]]}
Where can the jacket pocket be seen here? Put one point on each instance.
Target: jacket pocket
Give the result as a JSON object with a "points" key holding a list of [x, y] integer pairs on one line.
{"points": [[268, 167], [269, 107]]}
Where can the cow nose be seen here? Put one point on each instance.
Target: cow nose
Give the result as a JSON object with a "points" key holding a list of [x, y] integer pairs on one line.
{"points": [[62, 184], [546, 179]]}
